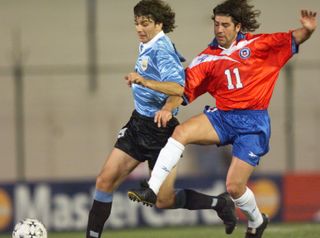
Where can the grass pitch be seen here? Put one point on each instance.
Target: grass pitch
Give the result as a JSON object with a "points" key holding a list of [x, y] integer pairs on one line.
{"points": [[296, 230]]}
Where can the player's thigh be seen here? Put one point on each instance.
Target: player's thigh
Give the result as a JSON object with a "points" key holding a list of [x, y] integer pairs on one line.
{"points": [[196, 130], [238, 175], [166, 195], [116, 168]]}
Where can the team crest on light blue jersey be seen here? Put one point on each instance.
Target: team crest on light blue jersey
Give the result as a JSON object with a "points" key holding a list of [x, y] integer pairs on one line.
{"points": [[144, 63]]}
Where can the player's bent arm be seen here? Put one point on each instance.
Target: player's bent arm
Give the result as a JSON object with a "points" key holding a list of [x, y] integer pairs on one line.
{"points": [[165, 114], [168, 88], [309, 23], [172, 103]]}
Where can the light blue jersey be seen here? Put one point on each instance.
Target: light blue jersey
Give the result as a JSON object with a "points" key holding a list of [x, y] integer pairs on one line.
{"points": [[158, 60]]}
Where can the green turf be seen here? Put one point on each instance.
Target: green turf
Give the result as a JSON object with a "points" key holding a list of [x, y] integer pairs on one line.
{"points": [[273, 231]]}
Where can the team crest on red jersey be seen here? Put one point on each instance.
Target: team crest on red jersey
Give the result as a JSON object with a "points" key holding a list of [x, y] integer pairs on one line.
{"points": [[245, 53]]}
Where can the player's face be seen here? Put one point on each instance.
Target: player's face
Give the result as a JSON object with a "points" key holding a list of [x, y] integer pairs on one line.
{"points": [[146, 28], [225, 30]]}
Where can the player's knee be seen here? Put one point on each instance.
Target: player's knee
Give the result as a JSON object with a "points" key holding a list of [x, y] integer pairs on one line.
{"points": [[235, 189], [180, 133], [104, 184]]}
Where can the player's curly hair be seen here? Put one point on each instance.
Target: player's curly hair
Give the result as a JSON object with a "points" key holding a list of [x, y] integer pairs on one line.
{"points": [[158, 11], [240, 12]]}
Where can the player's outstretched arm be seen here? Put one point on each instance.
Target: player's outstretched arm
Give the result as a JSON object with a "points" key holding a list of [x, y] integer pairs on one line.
{"points": [[309, 23]]}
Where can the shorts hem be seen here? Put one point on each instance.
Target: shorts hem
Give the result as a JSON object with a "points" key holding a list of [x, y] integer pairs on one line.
{"points": [[247, 161], [212, 122], [128, 153]]}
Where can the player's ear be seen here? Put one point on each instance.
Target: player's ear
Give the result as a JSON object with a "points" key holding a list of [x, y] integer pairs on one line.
{"points": [[159, 26], [238, 27]]}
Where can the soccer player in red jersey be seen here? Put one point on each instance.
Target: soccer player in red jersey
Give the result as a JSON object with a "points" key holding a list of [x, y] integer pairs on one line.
{"points": [[239, 70]]}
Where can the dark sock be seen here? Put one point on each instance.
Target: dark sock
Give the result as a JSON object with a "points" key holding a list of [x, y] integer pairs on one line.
{"points": [[192, 200], [180, 199], [99, 213]]}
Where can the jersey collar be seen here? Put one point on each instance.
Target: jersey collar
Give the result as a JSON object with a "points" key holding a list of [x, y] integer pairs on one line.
{"points": [[144, 46], [214, 42]]}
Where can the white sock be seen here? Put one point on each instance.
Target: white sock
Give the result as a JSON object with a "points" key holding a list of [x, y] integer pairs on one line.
{"points": [[247, 204], [167, 159]]}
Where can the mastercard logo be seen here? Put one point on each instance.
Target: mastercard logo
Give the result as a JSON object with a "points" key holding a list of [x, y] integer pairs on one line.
{"points": [[5, 209]]}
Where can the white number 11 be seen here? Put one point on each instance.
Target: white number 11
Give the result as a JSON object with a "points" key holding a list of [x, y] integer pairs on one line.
{"points": [[229, 78]]}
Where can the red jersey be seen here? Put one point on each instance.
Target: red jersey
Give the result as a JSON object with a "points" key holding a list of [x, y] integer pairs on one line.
{"points": [[243, 76]]}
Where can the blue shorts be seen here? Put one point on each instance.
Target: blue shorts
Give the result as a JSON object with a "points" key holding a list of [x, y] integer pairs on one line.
{"points": [[248, 131]]}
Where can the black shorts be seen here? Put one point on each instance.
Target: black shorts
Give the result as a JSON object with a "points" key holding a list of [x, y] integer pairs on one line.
{"points": [[142, 139]]}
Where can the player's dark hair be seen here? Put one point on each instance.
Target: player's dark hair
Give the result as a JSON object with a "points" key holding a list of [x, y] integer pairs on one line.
{"points": [[240, 12], [158, 11]]}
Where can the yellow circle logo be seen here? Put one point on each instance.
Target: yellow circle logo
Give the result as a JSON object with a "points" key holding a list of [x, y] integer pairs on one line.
{"points": [[5, 210], [267, 195]]}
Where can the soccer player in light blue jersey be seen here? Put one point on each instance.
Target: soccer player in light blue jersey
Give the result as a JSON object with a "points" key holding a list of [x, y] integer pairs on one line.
{"points": [[158, 81]]}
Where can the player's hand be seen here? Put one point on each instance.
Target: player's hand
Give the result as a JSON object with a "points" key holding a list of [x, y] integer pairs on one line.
{"points": [[309, 20], [134, 78], [162, 117]]}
